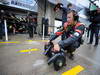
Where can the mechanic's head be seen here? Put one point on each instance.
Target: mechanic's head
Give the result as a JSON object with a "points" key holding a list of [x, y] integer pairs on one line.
{"points": [[98, 10], [69, 5], [72, 17]]}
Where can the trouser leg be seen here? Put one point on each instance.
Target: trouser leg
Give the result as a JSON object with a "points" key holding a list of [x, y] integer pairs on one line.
{"points": [[31, 34], [91, 36], [96, 36], [30, 30]]}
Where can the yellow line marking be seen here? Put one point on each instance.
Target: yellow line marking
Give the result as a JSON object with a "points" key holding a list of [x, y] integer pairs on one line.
{"points": [[44, 40], [74, 71], [30, 40], [27, 40], [28, 50], [11, 42], [37, 40], [41, 40]]}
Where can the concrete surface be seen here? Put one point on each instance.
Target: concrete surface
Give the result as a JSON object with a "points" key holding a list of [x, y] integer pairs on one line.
{"points": [[12, 62]]}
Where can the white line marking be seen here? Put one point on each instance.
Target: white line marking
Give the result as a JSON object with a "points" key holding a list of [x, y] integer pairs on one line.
{"points": [[96, 63], [38, 63]]}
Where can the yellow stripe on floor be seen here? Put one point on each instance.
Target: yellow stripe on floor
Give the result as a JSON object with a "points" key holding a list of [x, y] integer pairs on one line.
{"points": [[30, 40], [28, 50], [44, 40], [34, 49], [41, 40], [38, 40], [11, 42], [74, 71]]}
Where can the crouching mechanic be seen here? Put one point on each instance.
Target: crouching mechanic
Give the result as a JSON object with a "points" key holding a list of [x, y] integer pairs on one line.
{"points": [[73, 30]]}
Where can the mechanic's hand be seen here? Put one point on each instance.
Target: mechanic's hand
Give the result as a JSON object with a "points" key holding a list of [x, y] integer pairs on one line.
{"points": [[56, 48]]}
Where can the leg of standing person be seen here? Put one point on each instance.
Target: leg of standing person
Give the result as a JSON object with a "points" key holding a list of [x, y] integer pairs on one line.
{"points": [[31, 32], [1, 35], [91, 36], [96, 36], [34, 30], [1, 31], [88, 33]]}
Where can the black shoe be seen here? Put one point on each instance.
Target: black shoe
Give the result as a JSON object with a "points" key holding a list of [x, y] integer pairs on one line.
{"points": [[30, 38], [1, 37], [71, 56], [96, 45], [89, 43]]}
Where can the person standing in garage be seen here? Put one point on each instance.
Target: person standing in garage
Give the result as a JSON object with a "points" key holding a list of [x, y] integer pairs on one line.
{"points": [[30, 26]]}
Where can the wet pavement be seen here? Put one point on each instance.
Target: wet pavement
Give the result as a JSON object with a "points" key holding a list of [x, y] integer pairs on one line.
{"points": [[15, 62]]}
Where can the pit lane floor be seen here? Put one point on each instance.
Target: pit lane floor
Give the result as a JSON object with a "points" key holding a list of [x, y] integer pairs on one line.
{"points": [[15, 62]]}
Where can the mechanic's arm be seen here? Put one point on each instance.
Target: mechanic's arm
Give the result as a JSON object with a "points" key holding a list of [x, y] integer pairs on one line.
{"points": [[57, 34], [74, 37]]}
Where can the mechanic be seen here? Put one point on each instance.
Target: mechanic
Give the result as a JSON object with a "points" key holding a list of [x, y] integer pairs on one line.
{"points": [[73, 30]]}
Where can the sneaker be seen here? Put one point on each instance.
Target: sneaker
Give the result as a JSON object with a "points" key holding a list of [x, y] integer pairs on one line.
{"points": [[1, 37], [71, 56], [89, 43], [96, 45]]}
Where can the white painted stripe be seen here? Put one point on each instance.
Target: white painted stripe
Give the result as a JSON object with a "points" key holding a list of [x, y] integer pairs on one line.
{"points": [[38, 63], [90, 60]]}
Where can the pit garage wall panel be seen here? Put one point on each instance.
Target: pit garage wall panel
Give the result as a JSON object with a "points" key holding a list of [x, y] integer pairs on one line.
{"points": [[50, 14]]}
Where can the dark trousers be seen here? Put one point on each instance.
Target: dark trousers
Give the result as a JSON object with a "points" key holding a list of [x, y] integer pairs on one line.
{"points": [[30, 30], [72, 47], [1, 36], [35, 30], [63, 35], [96, 33], [1, 30]]}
